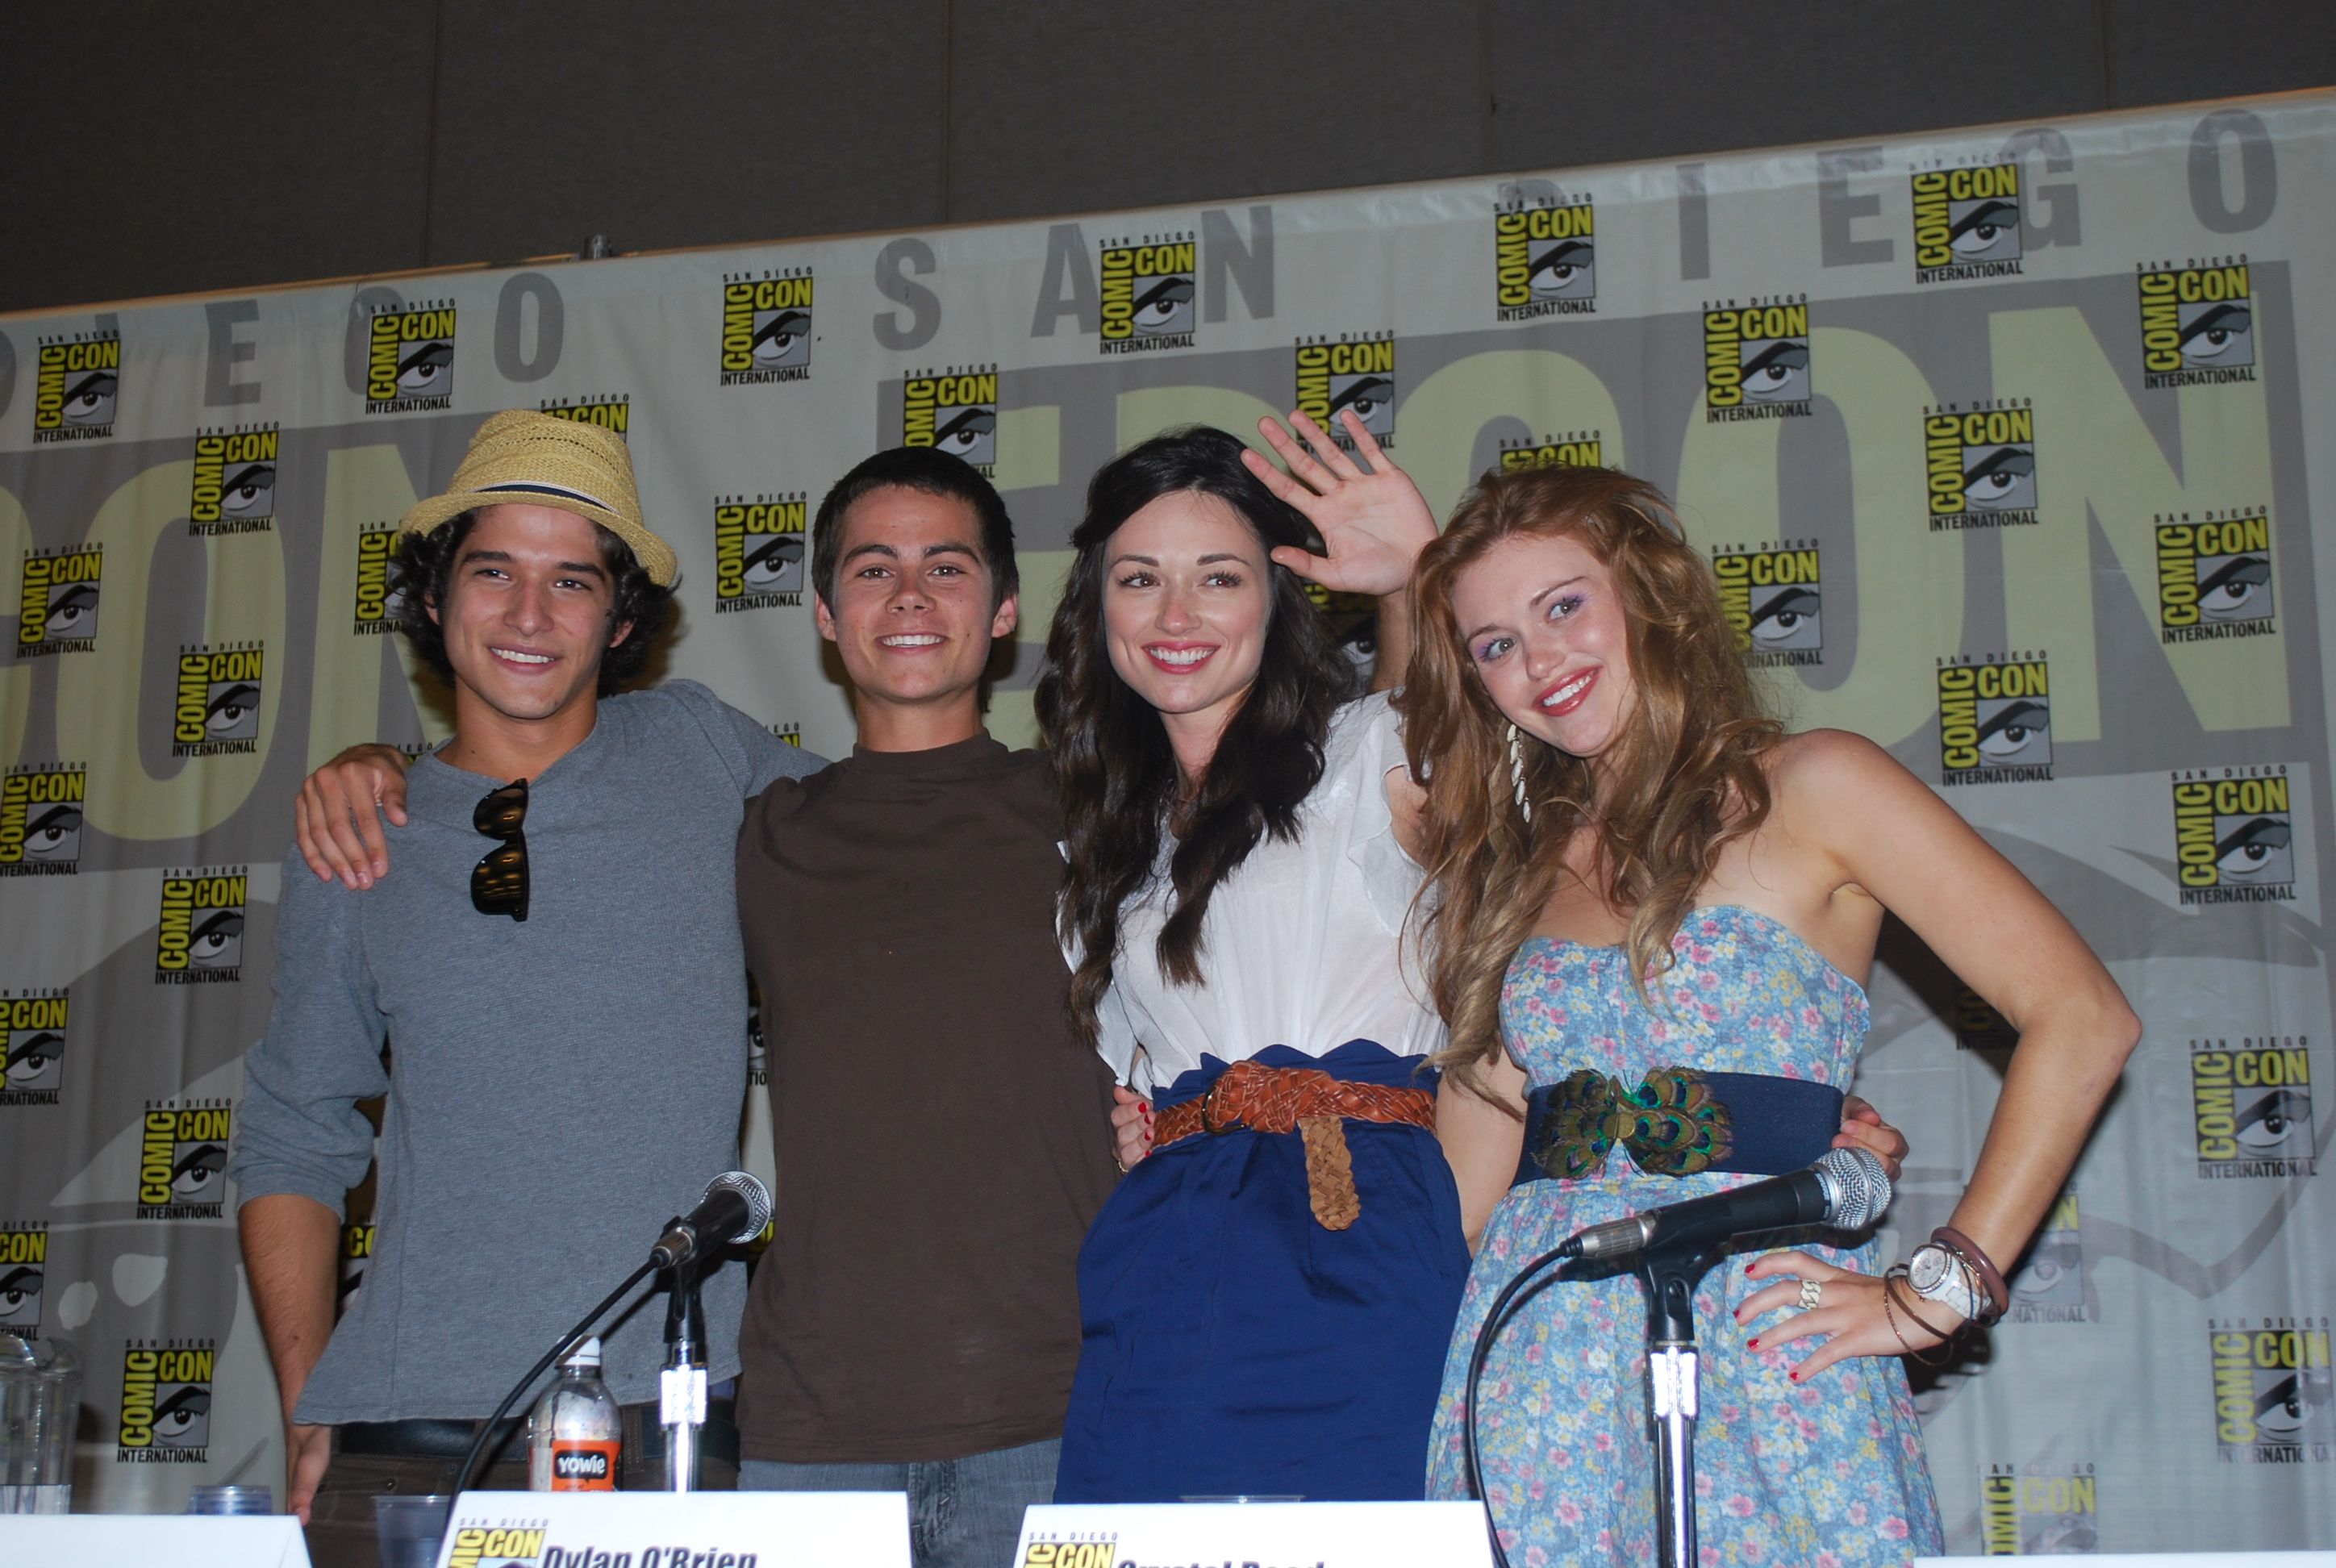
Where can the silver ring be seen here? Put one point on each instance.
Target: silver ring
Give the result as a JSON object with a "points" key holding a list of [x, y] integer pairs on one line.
{"points": [[1812, 1295]]}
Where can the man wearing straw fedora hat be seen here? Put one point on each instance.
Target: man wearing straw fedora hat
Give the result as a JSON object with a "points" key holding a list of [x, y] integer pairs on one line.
{"points": [[558, 968]]}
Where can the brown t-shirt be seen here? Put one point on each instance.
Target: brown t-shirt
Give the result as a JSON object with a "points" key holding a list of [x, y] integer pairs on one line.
{"points": [[942, 1138]]}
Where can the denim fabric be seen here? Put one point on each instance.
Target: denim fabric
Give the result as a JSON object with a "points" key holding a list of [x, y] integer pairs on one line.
{"points": [[962, 1513]]}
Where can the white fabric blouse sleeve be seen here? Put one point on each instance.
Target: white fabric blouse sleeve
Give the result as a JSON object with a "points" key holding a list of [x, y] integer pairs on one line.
{"points": [[1366, 744]]}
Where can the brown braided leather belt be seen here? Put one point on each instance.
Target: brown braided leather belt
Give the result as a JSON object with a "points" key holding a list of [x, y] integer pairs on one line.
{"points": [[1309, 1102]]}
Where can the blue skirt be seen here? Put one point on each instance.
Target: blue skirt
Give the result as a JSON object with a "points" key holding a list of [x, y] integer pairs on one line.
{"points": [[1233, 1346]]}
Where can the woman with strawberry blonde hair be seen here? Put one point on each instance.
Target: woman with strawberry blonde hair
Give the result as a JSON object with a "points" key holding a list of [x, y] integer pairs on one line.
{"points": [[1650, 914]]}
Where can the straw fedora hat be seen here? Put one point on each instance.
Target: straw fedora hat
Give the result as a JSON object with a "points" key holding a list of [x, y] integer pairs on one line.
{"points": [[526, 457]]}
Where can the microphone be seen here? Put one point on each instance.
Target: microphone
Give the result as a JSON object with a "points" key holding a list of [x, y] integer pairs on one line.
{"points": [[1845, 1190], [735, 1208]]}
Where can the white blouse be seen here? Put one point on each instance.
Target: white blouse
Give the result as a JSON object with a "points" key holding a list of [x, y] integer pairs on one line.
{"points": [[1302, 944]]}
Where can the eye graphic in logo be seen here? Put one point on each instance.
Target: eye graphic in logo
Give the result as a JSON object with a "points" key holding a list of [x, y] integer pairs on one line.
{"points": [[2015, 732], [1566, 270], [782, 337], [36, 1061], [250, 491], [233, 711], [2254, 849], [1166, 307], [184, 1419], [2235, 587], [1775, 369], [2282, 1117], [426, 369], [197, 1176], [20, 1296], [1998, 478], [218, 940], [969, 433], [1788, 617], [2218, 333], [2295, 1409], [72, 611], [1986, 230], [1368, 395], [2061, 1536], [2054, 1274], [56, 834], [775, 565], [89, 397]]}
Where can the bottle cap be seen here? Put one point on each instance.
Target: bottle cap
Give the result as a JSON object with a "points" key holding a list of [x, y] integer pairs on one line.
{"points": [[585, 1357]]}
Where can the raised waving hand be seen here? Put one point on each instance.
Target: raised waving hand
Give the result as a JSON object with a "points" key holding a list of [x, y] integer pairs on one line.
{"points": [[1374, 522]]}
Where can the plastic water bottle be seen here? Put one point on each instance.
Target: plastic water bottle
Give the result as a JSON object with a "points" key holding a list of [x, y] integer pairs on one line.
{"points": [[575, 1430]]}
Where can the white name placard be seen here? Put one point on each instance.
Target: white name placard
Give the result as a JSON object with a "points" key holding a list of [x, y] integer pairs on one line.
{"points": [[143, 1540], [676, 1530], [1262, 1535]]}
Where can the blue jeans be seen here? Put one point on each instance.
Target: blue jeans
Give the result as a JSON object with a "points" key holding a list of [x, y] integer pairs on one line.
{"points": [[962, 1513]]}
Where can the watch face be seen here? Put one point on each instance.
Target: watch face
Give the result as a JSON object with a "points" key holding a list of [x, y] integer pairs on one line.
{"points": [[1926, 1267]]}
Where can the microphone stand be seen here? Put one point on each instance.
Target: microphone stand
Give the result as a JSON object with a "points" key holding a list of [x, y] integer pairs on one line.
{"points": [[1669, 1276], [681, 1386]]}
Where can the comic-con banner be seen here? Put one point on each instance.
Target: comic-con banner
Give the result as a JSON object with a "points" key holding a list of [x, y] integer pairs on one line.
{"points": [[2003, 444]]}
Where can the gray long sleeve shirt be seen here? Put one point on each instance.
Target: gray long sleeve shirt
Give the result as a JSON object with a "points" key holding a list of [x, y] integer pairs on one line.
{"points": [[558, 1087]]}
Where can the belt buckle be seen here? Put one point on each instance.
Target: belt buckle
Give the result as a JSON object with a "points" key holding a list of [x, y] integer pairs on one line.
{"points": [[1207, 1104]]}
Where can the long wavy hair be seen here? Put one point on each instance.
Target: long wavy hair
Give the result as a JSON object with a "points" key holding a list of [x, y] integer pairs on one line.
{"points": [[1118, 773], [1684, 775]]}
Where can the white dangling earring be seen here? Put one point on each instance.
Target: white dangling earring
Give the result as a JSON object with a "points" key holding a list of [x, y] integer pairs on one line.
{"points": [[1517, 771]]}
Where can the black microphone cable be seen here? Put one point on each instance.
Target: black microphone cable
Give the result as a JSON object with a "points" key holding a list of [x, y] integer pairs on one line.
{"points": [[567, 1341], [1503, 1306]]}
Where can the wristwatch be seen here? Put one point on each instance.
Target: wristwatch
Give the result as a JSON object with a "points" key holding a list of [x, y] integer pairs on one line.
{"points": [[1937, 1275]]}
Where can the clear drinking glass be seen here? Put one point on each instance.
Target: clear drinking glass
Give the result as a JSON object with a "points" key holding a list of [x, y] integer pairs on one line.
{"points": [[40, 1406]]}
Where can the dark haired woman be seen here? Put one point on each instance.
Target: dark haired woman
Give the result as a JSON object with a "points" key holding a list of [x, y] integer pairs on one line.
{"points": [[1644, 892], [1266, 1296]]}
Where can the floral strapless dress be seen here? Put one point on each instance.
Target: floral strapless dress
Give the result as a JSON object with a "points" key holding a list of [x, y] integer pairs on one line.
{"points": [[1828, 1473]]}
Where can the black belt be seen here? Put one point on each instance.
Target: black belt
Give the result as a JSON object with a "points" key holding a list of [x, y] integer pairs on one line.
{"points": [[428, 1437]]}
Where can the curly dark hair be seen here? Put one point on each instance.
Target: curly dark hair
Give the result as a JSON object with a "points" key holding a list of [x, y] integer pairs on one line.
{"points": [[426, 563], [1112, 757]]}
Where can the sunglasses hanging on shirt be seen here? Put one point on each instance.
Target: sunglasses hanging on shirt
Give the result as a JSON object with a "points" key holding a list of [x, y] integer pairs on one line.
{"points": [[499, 881]]}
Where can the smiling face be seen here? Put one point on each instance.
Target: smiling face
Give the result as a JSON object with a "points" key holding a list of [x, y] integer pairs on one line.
{"points": [[525, 615], [1187, 593], [1545, 630], [913, 615]]}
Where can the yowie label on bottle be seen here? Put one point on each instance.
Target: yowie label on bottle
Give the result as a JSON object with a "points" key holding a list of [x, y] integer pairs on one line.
{"points": [[581, 1465]]}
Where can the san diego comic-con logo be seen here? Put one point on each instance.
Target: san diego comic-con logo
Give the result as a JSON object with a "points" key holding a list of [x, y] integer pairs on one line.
{"points": [[2037, 1510], [235, 481], [766, 326], [1967, 222], [1072, 1549], [182, 1159], [2214, 574], [1356, 373], [357, 1251], [24, 1270], [612, 412], [1978, 464], [1977, 1025], [1774, 597], [2049, 1284], [1544, 258], [1755, 359], [410, 358], [2273, 1387], [2234, 840], [216, 712], [199, 939], [379, 599], [790, 732], [41, 819], [954, 409], [1573, 449], [2198, 322], [2252, 1106], [1995, 719], [520, 1543], [1149, 289], [34, 1034], [166, 1401], [758, 551], [56, 608], [76, 386]]}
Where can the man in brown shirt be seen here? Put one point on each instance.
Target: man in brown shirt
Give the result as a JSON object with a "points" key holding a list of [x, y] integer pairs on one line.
{"points": [[941, 1137]]}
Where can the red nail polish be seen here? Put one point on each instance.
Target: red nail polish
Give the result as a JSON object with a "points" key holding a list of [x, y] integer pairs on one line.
{"points": [[1795, 1375], [1753, 1344]]}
